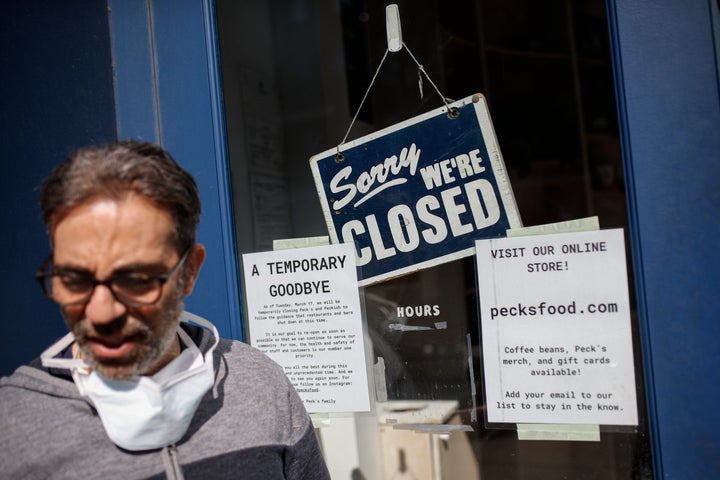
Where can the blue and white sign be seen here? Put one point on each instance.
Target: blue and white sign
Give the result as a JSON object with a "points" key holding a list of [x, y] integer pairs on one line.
{"points": [[418, 193]]}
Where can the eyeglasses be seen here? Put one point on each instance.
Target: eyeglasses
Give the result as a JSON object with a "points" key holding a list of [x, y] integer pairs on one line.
{"points": [[72, 288]]}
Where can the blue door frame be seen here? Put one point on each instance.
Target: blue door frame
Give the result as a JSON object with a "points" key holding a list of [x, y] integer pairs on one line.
{"points": [[666, 78], [666, 72], [167, 90]]}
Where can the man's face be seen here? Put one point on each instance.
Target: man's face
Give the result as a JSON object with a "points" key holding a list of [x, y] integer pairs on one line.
{"points": [[105, 237]]}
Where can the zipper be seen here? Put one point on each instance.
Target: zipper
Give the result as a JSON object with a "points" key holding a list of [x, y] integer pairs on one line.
{"points": [[172, 466]]}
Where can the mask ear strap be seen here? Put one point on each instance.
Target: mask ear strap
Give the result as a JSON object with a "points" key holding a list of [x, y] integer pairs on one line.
{"points": [[47, 358], [188, 317], [185, 338]]}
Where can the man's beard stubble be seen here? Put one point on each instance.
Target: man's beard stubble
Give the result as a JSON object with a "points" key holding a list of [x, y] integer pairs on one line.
{"points": [[154, 342]]}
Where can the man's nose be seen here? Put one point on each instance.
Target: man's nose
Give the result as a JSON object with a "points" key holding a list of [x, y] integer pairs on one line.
{"points": [[103, 307]]}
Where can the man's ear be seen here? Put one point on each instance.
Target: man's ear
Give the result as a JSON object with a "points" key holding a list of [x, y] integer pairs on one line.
{"points": [[195, 259]]}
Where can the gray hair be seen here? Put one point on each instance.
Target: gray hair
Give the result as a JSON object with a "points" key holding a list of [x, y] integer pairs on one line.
{"points": [[117, 169]]}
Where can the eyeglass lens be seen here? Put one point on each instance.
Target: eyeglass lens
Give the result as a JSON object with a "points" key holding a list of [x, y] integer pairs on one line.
{"points": [[135, 289]]}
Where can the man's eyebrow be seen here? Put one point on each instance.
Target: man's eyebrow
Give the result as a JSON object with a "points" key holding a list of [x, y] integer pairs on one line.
{"points": [[141, 267], [70, 268], [137, 267]]}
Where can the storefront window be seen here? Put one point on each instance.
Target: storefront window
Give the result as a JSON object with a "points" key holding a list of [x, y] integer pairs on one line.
{"points": [[294, 74]]}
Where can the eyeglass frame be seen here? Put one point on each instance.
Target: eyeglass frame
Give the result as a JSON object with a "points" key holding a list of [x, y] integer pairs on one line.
{"points": [[42, 275]]}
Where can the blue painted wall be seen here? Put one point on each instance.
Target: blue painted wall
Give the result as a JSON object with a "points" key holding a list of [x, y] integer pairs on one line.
{"points": [[56, 95], [669, 103]]}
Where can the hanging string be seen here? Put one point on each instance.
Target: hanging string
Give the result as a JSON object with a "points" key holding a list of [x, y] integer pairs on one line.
{"points": [[421, 69], [339, 156], [452, 112], [420, 85]]}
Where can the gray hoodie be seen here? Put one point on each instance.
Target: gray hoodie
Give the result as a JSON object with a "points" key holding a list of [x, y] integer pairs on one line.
{"points": [[250, 425]]}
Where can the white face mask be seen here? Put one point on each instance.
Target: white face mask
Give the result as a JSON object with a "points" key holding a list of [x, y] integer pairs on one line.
{"points": [[143, 413]]}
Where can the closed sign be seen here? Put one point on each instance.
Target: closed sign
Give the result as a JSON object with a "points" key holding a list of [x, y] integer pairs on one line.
{"points": [[418, 193]]}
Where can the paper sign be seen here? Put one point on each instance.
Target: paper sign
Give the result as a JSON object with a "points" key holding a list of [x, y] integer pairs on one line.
{"points": [[303, 311], [555, 323], [418, 193]]}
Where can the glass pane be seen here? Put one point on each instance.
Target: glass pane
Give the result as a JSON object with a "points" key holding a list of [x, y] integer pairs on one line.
{"points": [[294, 75]]}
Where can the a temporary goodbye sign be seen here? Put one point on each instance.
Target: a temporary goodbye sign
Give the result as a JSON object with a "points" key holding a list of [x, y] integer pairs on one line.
{"points": [[555, 321], [303, 310], [418, 193]]}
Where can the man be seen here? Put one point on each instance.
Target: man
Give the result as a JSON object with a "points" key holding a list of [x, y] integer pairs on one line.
{"points": [[135, 390]]}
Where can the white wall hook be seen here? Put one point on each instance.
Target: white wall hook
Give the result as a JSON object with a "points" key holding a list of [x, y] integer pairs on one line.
{"points": [[393, 27]]}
